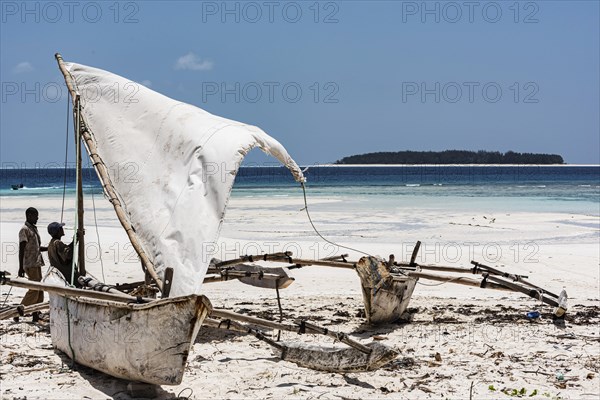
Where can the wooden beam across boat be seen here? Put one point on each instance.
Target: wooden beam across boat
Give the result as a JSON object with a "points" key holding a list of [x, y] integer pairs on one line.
{"points": [[479, 269], [253, 275], [302, 327], [286, 258], [536, 294], [488, 282], [330, 359], [69, 291], [513, 277], [13, 312], [460, 280]]}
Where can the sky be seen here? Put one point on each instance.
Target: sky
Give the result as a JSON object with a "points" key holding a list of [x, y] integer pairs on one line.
{"points": [[327, 79]]}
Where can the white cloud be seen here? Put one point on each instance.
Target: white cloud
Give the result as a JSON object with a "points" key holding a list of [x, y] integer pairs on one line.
{"points": [[23, 67], [147, 83], [192, 62]]}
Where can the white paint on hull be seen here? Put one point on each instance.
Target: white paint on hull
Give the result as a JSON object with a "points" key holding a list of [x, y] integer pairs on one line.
{"points": [[139, 342]]}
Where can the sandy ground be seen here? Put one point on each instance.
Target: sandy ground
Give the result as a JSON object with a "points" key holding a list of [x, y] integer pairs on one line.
{"points": [[454, 342]]}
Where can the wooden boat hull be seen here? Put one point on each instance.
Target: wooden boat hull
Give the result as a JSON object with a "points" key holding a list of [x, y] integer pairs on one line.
{"points": [[139, 342], [386, 297]]}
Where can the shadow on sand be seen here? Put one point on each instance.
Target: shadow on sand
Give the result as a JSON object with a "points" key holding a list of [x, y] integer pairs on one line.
{"points": [[116, 388]]}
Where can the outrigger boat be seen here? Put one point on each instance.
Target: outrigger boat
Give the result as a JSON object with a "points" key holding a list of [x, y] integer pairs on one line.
{"points": [[184, 161], [387, 285]]}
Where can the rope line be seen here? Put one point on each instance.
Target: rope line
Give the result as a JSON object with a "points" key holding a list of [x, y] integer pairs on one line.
{"points": [[77, 179], [353, 249], [318, 233], [62, 208], [75, 237], [96, 225]]}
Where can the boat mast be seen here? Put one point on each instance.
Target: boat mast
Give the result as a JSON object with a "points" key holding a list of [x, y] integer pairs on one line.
{"points": [[80, 229], [102, 172]]}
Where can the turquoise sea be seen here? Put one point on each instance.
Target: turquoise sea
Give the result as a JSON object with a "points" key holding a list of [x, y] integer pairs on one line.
{"points": [[525, 188]]}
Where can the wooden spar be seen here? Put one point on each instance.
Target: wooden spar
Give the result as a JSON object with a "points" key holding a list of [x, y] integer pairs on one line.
{"points": [[252, 274], [413, 257], [168, 282], [531, 285], [12, 312], [252, 258], [68, 291], [352, 265], [515, 278], [308, 328], [102, 172], [340, 360], [225, 314], [488, 282], [211, 278], [335, 258], [439, 268], [229, 325], [256, 276], [305, 262], [80, 227], [99, 286], [285, 259], [237, 327], [536, 294], [461, 280], [231, 274], [444, 268], [281, 282], [122, 287]]}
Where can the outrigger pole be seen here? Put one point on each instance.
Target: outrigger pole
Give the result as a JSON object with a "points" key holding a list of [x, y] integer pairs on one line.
{"points": [[492, 277], [102, 172], [358, 357]]}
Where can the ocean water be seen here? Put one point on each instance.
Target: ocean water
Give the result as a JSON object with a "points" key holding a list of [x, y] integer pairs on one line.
{"points": [[527, 188]]}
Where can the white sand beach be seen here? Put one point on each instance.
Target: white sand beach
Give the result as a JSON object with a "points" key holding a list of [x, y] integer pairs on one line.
{"points": [[456, 341]]}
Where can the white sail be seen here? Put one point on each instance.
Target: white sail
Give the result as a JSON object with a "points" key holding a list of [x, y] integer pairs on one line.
{"points": [[172, 165]]}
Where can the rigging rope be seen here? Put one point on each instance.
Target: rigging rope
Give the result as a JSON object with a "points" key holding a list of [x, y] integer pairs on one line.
{"points": [[62, 208], [77, 180], [75, 236], [350, 248], [318, 233], [96, 224]]}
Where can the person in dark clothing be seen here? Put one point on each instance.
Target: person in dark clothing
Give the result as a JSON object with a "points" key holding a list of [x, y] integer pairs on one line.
{"points": [[60, 254]]}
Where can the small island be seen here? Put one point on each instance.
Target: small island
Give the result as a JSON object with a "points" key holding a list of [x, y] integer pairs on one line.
{"points": [[451, 157]]}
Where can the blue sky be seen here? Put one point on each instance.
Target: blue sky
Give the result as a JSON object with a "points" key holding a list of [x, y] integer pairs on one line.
{"points": [[327, 79]]}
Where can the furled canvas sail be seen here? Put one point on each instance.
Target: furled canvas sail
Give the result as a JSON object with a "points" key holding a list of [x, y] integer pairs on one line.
{"points": [[172, 165]]}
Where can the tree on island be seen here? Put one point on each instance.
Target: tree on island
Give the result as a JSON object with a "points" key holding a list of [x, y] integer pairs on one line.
{"points": [[452, 157]]}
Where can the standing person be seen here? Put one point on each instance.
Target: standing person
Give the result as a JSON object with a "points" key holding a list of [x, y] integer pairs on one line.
{"points": [[60, 254], [30, 260]]}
